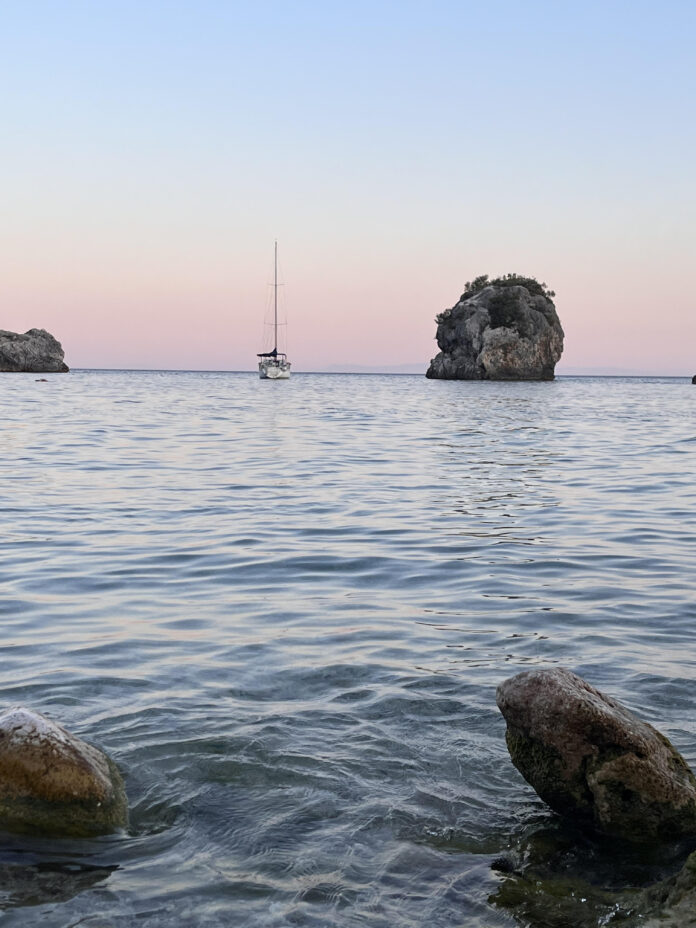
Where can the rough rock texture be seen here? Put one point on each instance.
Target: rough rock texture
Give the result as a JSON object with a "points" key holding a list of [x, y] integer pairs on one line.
{"points": [[499, 333], [36, 351], [589, 757], [52, 782], [672, 903]]}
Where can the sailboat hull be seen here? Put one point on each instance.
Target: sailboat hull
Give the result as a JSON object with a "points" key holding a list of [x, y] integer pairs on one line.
{"points": [[274, 370]]}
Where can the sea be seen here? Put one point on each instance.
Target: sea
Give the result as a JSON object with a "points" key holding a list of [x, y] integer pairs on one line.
{"points": [[283, 609]]}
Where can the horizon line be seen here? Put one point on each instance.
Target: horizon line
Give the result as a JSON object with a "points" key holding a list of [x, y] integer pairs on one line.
{"points": [[359, 371]]}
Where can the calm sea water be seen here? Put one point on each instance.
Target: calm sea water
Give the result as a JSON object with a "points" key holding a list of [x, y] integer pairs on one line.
{"points": [[283, 608]]}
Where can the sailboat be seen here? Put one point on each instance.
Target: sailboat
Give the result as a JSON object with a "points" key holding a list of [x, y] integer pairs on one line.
{"points": [[274, 365]]}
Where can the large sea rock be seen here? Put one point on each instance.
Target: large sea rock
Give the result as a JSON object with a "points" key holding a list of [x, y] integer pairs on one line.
{"points": [[36, 351], [592, 759], [499, 332], [53, 783]]}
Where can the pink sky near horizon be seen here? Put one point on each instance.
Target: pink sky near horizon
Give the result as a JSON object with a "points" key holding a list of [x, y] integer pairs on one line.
{"points": [[360, 314]]}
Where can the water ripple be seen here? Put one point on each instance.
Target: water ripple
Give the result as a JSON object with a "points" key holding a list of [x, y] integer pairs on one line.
{"points": [[284, 613]]}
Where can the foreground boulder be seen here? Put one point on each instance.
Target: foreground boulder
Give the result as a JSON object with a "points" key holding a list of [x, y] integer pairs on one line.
{"points": [[53, 783], [36, 351], [590, 758], [505, 329]]}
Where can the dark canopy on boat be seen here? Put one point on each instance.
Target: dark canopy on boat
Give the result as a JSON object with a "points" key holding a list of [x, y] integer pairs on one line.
{"points": [[268, 354]]}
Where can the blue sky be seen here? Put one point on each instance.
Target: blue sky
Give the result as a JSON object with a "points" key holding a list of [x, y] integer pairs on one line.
{"points": [[153, 151]]}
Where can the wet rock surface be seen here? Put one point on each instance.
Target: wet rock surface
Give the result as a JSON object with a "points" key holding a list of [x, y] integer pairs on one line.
{"points": [[558, 876], [592, 759], [671, 903], [36, 351], [500, 332], [53, 783]]}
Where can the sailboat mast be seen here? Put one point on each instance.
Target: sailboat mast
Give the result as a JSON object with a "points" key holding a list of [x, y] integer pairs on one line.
{"points": [[275, 298]]}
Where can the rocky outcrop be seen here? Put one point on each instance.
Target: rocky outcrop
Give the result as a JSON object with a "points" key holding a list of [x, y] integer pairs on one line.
{"points": [[592, 759], [36, 351], [53, 783], [501, 330]]}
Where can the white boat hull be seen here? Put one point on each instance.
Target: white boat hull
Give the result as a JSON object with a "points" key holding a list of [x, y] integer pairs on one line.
{"points": [[274, 370]]}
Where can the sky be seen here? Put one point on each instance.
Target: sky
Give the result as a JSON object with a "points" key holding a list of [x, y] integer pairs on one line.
{"points": [[152, 152]]}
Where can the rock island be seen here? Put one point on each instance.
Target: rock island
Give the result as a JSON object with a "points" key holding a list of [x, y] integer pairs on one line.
{"points": [[501, 329], [36, 351]]}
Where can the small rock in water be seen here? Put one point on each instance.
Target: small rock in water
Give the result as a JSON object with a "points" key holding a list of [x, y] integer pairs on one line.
{"points": [[53, 783], [693, 379], [592, 759], [503, 865]]}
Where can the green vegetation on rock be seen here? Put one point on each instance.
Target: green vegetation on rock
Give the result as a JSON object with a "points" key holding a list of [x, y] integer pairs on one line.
{"points": [[507, 280], [502, 305]]}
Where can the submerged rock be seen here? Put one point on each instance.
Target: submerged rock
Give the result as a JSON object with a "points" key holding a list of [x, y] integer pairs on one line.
{"points": [[36, 351], [507, 329], [671, 903], [562, 902], [581, 885], [53, 783], [592, 759], [48, 883]]}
